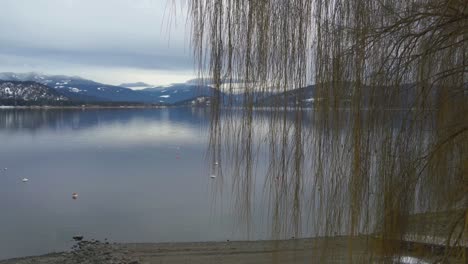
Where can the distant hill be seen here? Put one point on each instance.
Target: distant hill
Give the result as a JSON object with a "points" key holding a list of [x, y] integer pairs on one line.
{"points": [[178, 92], [304, 96], [403, 96], [26, 92], [200, 101], [209, 81]]}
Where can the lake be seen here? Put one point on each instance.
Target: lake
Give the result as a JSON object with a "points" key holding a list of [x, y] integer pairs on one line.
{"points": [[141, 175], [167, 175]]}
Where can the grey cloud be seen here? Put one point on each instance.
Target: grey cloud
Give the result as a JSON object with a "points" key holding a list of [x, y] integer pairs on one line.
{"points": [[101, 58], [104, 33]]}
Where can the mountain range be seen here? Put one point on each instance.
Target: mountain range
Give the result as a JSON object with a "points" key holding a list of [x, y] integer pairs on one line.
{"points": [[74, 88]]}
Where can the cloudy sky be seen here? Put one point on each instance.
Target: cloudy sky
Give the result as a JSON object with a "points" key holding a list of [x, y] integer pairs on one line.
{"points": [[111, 41]]}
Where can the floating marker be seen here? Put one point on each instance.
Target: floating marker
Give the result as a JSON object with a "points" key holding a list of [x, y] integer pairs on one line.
{"points": [[212, 176], [75, 196], [216, 163], [25, 180]]}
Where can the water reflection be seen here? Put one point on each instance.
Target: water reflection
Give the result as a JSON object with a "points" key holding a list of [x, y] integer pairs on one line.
{"points": [[22, 120], [366, 174], [123, 165]]}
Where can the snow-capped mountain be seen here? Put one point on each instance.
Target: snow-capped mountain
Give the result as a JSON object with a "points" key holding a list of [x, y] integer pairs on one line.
{"points": [[95, 90], [28, 91], [77, 88], [80, 89]]}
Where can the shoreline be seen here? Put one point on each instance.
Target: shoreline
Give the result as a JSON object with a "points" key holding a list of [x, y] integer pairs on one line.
{"points": [[362, 249], [3, 107], [256, 108]]}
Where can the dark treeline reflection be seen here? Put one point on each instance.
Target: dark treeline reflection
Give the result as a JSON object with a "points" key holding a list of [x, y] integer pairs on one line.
{"points": [[59, 119]]}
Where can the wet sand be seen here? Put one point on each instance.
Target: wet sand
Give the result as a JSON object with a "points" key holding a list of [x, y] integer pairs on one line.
{"points": [[318, 250]]}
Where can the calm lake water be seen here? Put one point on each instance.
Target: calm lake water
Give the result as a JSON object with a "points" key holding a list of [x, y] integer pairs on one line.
{"points": [[144, 175], [141, 175]]}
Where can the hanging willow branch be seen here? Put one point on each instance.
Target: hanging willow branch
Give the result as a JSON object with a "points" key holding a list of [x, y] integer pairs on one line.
{"points": [[385, 143]]}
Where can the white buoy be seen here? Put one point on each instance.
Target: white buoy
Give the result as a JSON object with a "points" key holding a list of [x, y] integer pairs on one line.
{"points": [[75, 196], [212, 176], [216, 163], [25, 180]]}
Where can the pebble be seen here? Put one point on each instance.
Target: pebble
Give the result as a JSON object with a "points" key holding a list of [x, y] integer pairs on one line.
{"points": [[96, 252]]}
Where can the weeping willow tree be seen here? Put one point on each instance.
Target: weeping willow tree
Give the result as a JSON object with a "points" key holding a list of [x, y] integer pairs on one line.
{"points": [[364, 115]]}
